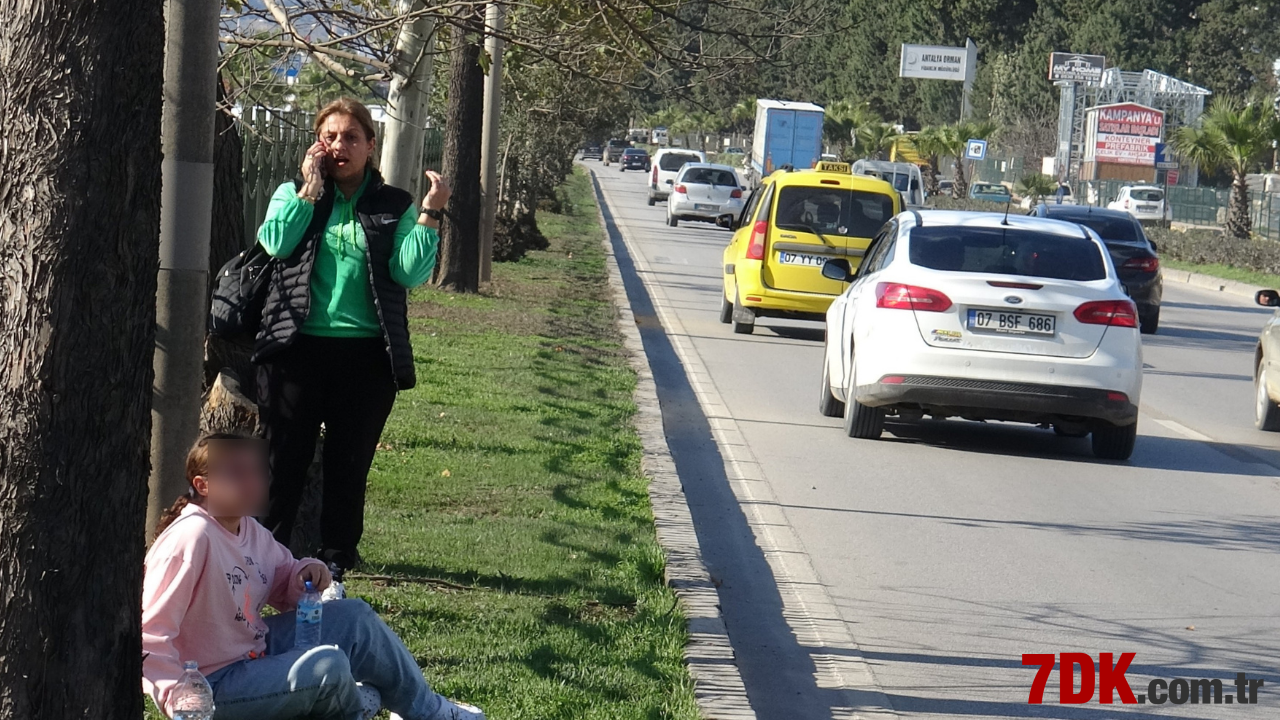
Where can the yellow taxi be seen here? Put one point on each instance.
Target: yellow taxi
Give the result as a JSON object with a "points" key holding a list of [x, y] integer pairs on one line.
{"points": [[789, 227]]}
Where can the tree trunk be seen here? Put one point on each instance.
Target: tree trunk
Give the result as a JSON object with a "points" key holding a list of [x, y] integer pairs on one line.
{"points": [[226, 238], [79, 246], [930, 172], [1239, 224], [404, 134], [459, 267], [960, 188]]}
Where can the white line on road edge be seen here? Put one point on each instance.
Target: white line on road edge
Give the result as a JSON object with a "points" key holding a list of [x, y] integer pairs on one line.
{"points": [[807, 608], [718, 685], [1183, 430]]}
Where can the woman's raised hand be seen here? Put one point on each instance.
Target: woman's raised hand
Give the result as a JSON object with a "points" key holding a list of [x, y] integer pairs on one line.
{"points": [[438, 195], [313, 169]]}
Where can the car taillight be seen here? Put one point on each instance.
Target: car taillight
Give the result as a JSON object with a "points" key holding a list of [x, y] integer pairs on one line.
{"points": [[759, 233], [736, 193], [655, 175], [1120, 313], [1126, 204], [681, 189], [897, 296], [1142, 264]]}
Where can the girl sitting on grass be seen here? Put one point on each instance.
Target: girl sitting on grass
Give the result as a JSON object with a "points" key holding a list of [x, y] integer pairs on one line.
{"points": [[209, 573]]}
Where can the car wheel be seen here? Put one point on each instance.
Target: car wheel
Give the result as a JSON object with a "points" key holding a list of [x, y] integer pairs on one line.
{"points": [[1149, 322], [828, 405], [861, 421], [622, 169], [650, 201], [1114, 442], [726, 309], [1266, 414], [742, 327], [671, 220]]}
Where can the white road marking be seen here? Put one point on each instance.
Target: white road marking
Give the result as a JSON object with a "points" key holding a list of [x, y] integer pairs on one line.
{"points": [[809, 610], [1183, 430]]}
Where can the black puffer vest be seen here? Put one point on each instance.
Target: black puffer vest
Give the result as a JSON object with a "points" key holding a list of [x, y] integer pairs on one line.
{"points": [[379, 208]]}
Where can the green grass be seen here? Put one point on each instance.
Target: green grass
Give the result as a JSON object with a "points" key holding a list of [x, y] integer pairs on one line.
{"points": [[507, 503], [1227, 272]]}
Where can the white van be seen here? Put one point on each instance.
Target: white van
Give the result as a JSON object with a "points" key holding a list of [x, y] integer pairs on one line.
{"points": [[904, 177], [666, 166]]}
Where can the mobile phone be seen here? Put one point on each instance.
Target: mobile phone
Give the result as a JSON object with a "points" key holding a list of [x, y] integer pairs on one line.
{"points": [[324, 166]]}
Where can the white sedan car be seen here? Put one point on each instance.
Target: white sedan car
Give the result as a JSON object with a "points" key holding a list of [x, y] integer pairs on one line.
{"points": [[985, 317], [704, 192]]}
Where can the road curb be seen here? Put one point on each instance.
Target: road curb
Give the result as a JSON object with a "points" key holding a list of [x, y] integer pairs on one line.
{"points": [[718, 685], [1209, 282]]}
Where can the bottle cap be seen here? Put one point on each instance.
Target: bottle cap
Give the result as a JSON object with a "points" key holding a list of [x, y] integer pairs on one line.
{"points": [[309, 588], [190, 665]]}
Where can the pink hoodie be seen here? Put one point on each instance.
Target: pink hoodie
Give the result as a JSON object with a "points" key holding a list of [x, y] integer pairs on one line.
{"points": [[203, 594]]}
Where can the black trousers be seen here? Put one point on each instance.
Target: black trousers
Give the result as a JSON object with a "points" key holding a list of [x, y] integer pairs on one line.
{"points": [[346, 384]]}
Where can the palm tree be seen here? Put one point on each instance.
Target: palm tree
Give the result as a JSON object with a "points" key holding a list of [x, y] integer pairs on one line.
{"points": [[931, 145], [876, 138], [742, 116], [1233, 135], [957, 139], [1036, 186]]}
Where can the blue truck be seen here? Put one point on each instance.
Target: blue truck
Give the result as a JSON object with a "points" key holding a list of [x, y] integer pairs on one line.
{"points": [[786, 133]]}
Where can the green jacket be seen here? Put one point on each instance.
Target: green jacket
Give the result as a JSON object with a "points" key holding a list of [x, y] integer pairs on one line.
{"points": [[341, 299]]}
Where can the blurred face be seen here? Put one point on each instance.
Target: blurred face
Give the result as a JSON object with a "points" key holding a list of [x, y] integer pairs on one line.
{"points": [[236, 482], [349, 147]]}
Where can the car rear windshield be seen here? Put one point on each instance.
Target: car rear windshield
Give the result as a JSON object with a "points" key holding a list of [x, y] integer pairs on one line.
{"points": [[991, 189], [634, 151], [709, 176], [833, 211], [1152, 195], [1006, 251], [1107, 227], [674, 161]]}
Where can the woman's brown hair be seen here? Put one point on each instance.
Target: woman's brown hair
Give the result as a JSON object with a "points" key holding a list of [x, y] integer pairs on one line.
{"points": [[348, 106], [197, 465]]}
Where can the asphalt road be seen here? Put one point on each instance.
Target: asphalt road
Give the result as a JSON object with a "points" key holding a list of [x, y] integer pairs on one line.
{"points": [[945, 551]]}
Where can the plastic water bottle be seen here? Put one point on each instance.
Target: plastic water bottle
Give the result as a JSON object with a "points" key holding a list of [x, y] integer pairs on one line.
{"points": [[307, 634], [192, 697]]}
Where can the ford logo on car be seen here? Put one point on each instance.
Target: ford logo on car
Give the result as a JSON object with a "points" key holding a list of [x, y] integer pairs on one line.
{"points": [[1013, 299]]}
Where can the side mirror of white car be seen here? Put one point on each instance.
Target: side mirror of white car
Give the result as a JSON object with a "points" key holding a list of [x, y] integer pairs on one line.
{"points": [[837, 269]]}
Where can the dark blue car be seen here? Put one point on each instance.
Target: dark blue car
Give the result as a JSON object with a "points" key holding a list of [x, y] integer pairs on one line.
{"points": [[1133, 254]]}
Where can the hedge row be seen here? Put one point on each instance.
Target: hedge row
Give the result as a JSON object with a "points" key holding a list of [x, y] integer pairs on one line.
{"points": [[1211, 247]]}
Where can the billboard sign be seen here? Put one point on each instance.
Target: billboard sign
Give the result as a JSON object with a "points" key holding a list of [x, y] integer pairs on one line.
{"points": [[935, 62], [1123, 134], [1072, 67]]}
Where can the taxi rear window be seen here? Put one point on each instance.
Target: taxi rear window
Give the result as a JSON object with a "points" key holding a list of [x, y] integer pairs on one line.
{"points": [[833, 211]]}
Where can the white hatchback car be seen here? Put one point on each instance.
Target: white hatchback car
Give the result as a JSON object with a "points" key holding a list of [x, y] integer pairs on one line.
{"points": [[1146, 203], [704, 192], [985, 317], [666, 165]]}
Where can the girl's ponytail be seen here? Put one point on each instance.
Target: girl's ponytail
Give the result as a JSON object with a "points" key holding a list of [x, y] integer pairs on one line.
{"points": [[197, 465]]}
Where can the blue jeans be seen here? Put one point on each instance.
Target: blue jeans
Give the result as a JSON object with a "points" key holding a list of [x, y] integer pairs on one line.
{"points": [[320, 682]]}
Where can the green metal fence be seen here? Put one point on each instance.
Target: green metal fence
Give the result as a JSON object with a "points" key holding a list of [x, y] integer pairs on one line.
{"points": [[1266, 215], [273, 144]]}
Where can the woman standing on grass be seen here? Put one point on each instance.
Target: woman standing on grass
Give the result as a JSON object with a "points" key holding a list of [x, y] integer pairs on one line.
{"points": [[333, 347]]}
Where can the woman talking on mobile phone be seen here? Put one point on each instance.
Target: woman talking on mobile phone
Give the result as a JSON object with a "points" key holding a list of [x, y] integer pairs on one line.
{"points": [[333, 348]]}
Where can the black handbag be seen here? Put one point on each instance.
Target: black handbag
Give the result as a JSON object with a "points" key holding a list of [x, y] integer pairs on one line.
{"points": [[239, 293]]}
